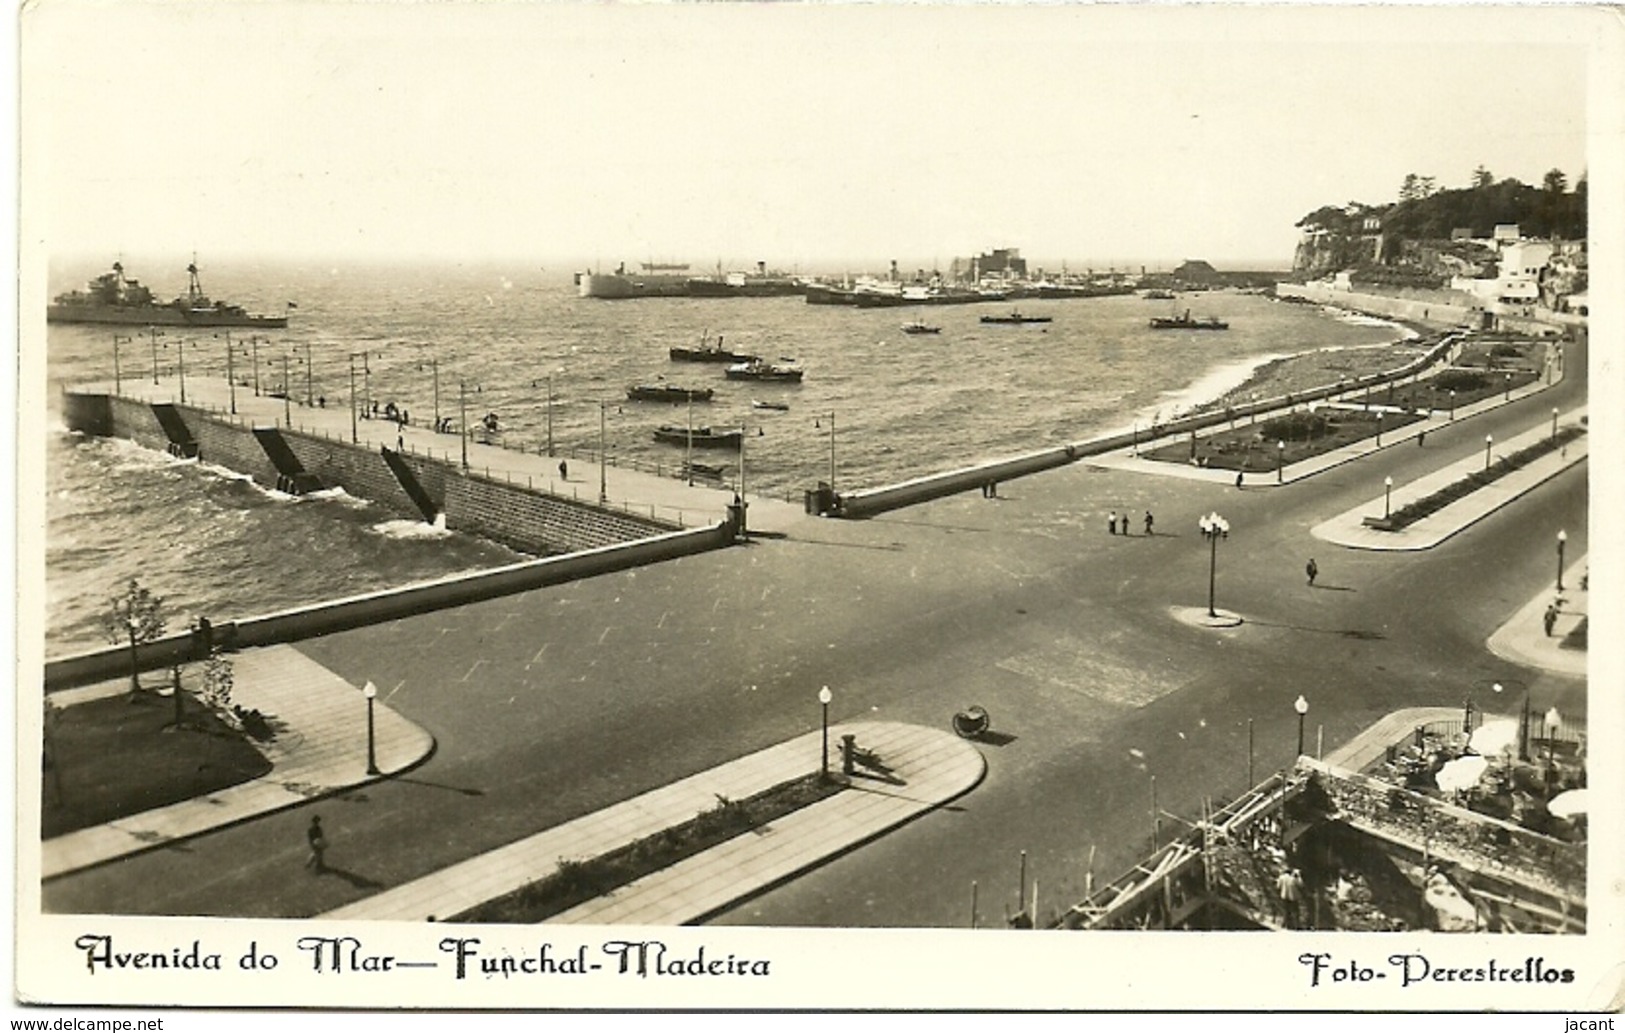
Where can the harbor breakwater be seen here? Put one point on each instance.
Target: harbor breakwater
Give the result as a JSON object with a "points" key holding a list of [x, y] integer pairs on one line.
{"points": [[575, 539]]}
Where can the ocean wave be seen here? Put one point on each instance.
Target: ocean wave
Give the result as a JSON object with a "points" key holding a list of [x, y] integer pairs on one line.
{"points": [[413, 529]]}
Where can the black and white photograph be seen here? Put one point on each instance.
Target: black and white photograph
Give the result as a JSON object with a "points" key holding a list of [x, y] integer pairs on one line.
{"points": [[822, 507]]}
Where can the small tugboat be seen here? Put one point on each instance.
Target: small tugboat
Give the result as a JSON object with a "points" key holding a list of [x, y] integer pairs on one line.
{"points": [[775, 406], [1185, 322], [708, 352], [701, 437], [759, 370], [1015, 317], [917, 327], [668, 393]]}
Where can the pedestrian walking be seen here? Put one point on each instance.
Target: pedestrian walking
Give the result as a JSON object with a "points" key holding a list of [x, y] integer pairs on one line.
{"points": [[1148, 522], [1239, 475], [400, 443], [318, 845], [564, 470], [1421, 439], [1287, 885], [1111, 523], [1550, 619], [1312, 570]]}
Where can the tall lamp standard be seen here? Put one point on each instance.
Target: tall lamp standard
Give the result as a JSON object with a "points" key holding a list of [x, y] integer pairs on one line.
{"points": [[154, 333], [1387, 496], [1553, 720], [603, 455], [824, 697], [1213, 528], [180, 362], [231, 374], [254, 348], [1489, 439], [287, 394], [1452, 403], [1280, 461], [1554, 421], [1301, 705], [370, 691], [117, 376], [353, 433], [1562, 540], [1379, 428]]}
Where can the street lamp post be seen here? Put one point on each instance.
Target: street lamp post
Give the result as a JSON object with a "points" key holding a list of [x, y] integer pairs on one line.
{"points": [[1452, 403], [550, 414], [310, 384], [180, 365], [1562, 540], [1509, 387], [603, 454], [231, 376], [1387, 496], [824, 697], [1554, 422], [1280, 461], [1213, 528], [1553, 720], [254, 346], [462, 420], [287, 395], [1489, 439], [370, 691], [1379, 428], [1301, 705], [353, 433], [154, 333], [118, 377]]}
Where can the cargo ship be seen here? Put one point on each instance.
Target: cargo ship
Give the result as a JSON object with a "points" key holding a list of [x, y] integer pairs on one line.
{"points": [[657, 280], [1185, 322], [758, 284], [113, 299]]}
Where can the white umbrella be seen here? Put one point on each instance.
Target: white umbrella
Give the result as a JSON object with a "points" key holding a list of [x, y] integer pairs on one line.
{"points": [[1494, 737], [1461, 773], [1567, 805]]}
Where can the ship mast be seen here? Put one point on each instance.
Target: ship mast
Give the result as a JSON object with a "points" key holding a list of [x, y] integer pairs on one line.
{"points": [[194, 289]]}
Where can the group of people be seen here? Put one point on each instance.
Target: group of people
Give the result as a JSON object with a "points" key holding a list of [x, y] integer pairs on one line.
{"points": [[1113, 521]]}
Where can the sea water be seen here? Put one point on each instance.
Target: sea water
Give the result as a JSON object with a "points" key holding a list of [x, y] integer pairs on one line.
{"points": [[505, 340]]}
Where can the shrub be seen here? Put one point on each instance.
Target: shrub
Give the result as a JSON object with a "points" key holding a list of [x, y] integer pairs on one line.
{"points": [[1458, 380], [1298, 426]]}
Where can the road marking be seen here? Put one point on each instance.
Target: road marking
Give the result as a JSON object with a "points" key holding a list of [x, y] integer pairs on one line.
{"points": [[661, 623], [471, 670], [538, 657], [396, 689], [605, 635]]}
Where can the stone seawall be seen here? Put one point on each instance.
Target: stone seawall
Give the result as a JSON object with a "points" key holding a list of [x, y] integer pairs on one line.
{"points": [[1419, 309], [531, 521]]}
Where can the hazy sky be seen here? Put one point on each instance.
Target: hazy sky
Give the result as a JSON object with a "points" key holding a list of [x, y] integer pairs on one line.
{"points": [[794, 134]]}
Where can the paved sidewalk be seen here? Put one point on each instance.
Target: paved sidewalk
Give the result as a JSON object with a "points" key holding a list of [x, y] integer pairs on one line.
{"points": [[1348, 528], [926, 768], [1523, 638], [320, 748]]}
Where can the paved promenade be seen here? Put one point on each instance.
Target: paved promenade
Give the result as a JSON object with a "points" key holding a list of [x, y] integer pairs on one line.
{"points": [[638, 491]]}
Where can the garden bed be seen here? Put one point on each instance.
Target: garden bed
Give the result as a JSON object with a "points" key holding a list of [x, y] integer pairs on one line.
{"points": [[1426, 506], [578, 881]]}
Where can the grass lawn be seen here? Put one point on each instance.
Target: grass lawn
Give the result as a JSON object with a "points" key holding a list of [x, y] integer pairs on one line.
{"points": [[578, 881], [115, 757]]}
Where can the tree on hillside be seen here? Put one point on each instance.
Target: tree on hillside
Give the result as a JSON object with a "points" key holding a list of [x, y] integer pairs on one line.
{"points": [[1555, 182], [1482, 177], [134, 616]]}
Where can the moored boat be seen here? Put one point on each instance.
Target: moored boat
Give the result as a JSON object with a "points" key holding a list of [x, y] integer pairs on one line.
{"points": [[1185, 322], [775, 406], [917, 327], [759, 370], [708, 352], [668, 393], [699, 437], [655, 281], [1016, 317], [111, 298]]}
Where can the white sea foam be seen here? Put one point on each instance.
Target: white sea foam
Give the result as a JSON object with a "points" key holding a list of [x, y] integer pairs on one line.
{"points": [[411, 529]]}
